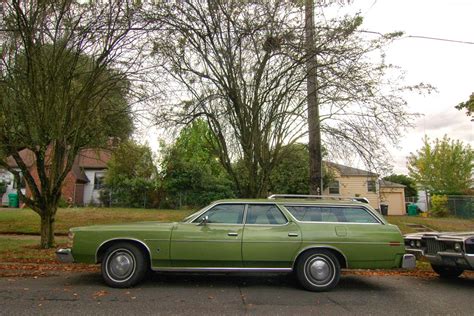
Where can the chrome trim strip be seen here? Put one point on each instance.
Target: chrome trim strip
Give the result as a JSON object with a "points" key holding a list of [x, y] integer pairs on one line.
{"points": [[447, 254], [320, 247], [123, 239], [208, 240], [219, 269], [157, 239]]}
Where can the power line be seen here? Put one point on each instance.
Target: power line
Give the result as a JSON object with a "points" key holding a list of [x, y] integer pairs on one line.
{"points": [[151, 29]]}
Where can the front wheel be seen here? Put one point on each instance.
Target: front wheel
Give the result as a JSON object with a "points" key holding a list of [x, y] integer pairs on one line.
{"points": [[447, 272], [124, 265], [318, 270]]}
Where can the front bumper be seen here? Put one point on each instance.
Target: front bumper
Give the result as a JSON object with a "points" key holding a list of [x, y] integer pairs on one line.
{"points": [[446, 258], [64, 255], [408, 261]]}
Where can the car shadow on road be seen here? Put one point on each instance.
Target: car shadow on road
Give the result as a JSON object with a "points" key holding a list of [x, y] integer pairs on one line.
{"points": [[258, 280], [282, 281]]}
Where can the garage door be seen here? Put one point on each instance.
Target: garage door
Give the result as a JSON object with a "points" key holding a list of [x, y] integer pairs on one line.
{"points": [[396, 205]]}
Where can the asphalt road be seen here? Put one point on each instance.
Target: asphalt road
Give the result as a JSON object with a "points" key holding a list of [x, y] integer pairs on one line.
{"points": [[185, 294]]}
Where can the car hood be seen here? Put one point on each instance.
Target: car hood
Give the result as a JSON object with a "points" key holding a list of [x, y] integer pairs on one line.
{"points": [[125, 226], [444, 235]]}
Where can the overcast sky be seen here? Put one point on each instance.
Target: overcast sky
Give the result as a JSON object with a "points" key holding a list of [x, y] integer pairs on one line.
{"points": [[447, 66]]}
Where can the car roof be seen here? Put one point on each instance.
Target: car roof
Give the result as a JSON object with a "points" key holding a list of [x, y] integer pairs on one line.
{"points": [[293, 201]]}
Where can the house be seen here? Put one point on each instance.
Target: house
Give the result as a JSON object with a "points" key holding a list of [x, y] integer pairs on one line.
{"points": [[350, 181], [393, 194], [82, 184]]}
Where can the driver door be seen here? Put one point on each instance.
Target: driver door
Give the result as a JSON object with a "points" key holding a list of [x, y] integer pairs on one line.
{"points": [[216, 243]]}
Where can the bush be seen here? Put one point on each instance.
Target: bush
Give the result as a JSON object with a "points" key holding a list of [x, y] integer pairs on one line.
{"points": [[439, 205]]}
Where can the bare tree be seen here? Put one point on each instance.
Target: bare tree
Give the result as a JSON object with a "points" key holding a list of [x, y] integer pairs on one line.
{"points": [[59, 89], [238, 65], [241, 66]]}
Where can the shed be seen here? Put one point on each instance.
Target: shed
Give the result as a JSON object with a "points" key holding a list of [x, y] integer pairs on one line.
{"points": [[393, 194]]}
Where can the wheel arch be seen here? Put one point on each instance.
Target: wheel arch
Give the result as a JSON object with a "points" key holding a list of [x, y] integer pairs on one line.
{"points": [[108, 243], [341, 257]]}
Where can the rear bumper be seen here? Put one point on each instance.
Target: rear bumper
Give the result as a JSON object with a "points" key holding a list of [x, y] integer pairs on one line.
{"points": [[64, 255], [408, 261]]}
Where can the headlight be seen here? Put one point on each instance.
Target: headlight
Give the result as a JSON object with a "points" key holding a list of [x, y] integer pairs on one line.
{"points": [[418, 244], [70, 239], [457, 247], [412, 243]]}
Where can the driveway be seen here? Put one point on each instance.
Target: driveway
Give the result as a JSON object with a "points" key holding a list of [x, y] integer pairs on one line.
{"points": [[189, 294]]}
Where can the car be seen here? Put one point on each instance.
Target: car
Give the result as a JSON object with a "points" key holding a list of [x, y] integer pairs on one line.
{"points": [[313, 237], [450, 253]]}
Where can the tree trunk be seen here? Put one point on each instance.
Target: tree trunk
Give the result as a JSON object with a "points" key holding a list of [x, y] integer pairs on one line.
{"points": [[47, 228], [314, 129]]}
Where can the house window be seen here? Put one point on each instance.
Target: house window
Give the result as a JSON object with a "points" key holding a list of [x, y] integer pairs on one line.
{"points": [[371, 186], [334, 187], [99, 180]]}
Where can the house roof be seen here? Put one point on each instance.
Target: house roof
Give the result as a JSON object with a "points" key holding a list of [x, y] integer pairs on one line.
{"points": [[86, 159], [349, 171], [78, 172], [90, 158], [388, 184], [26, 155]]}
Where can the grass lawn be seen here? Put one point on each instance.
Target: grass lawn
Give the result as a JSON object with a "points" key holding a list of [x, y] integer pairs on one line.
{"points": [[27, 221], [438, 224]]}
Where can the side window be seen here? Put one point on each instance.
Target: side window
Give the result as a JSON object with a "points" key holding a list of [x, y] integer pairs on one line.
{"points": [[357, 215], [265, 214], [331, 214], [224, 214], [306, 213]]}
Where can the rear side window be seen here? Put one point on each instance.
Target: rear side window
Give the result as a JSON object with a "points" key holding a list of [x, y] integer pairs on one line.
{"points": [[309, 213], [265, 214]]}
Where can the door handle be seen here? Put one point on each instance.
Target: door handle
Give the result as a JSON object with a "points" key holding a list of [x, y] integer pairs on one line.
{"points": [[232, 234], [293, 234]]}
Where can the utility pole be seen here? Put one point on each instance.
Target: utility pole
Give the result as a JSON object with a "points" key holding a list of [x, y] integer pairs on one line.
{"points": [[314, 128]]}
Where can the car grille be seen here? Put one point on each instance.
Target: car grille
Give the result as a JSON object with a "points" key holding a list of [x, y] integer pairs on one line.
{"points": [[433, 246]]}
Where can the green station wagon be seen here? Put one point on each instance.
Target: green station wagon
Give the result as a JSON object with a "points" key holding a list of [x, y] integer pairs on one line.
{"points": [[313, 236]]}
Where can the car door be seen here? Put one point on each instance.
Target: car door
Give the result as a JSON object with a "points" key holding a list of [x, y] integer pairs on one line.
{"points": [[269, 240], [216, 243]]}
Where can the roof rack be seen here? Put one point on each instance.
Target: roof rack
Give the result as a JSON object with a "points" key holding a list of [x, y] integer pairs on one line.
{"points": [[316, 197]]}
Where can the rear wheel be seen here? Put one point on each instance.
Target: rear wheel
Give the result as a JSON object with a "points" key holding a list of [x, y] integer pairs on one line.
{"points": [[123, 265], [447, 272], [318, 270]]}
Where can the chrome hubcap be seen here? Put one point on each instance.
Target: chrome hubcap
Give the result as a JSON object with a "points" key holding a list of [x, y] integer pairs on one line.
{"points": [[319, 269], [121, 265]]}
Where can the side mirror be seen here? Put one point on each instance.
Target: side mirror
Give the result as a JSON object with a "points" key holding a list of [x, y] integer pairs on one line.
{"points": [[204, 221]]}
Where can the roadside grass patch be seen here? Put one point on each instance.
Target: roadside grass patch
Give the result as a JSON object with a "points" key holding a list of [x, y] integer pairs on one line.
{"points": [[25, 221], [438, 224], [25, 249]]}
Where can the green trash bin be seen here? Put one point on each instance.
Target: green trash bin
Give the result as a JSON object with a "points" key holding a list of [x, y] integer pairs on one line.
{"points": [[13, 200], [412, 210]]}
